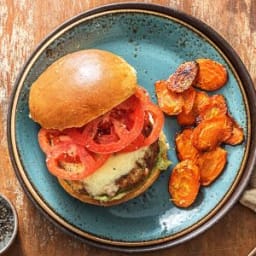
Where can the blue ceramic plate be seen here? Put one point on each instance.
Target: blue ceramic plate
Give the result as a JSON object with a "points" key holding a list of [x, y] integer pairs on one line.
{"points": [[155, 40]]}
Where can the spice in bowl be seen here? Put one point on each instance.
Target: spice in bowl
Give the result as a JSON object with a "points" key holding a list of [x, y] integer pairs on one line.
{"points": [[8, 224]]}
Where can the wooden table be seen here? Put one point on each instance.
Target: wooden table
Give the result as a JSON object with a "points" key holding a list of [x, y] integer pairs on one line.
{"points": [[23, 24]]}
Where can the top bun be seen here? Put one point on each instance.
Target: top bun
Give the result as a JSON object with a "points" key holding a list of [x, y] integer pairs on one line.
{"points": [[80, 87]]}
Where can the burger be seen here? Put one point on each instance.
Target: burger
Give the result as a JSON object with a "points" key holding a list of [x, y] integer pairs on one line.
{"points": [[100, 131]]}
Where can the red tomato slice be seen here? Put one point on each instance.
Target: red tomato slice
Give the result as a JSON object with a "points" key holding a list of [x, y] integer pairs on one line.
{"points": [[153, 124], [49, 138], [115, 130], [135, 145], [73, 162], [76, 135], [69, 161], [158, 123], [99, 159], [142, 94]]}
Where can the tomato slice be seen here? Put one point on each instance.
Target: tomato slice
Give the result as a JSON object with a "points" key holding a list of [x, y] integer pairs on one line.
{"points": [[73, 162], [153, 124], [117, 129], [76, 135], [49, 138], [158, 122], [69, 161], [142, 94], [135, 123], [99, 159]]}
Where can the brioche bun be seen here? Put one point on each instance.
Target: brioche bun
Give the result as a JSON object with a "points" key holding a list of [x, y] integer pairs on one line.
{"points": [[80, 87]]}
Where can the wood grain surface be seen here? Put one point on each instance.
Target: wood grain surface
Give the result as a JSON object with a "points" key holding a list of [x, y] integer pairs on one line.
{"points": [[23, 24]]}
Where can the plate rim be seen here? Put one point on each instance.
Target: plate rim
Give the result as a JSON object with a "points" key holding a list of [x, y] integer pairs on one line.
{"points": [[242, 73]]}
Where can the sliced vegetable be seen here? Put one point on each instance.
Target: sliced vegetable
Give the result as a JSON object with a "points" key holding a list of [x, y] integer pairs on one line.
{"points": [[170, 102], [211, 133], [98, 160], [216, 106], [211, 164], [142, 94], [237, 135], [211, 75], [70, 161], [153, 124], [200, 100], [186, 119], [156, 117], [49, 138], [117, 129], [76, 134], [184, 183], [184, 147], [189, 97], [183, 78]]}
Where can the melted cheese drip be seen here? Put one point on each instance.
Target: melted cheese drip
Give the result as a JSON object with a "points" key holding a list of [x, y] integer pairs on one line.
{"points": [[103, 180]]}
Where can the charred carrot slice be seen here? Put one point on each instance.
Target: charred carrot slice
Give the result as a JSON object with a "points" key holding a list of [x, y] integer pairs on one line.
{"points": [[170, 102], [216, 106], [211, 164], [237, 135], [211, 75], [211, 133], [184, 77], [184, 147], [184, 183]]}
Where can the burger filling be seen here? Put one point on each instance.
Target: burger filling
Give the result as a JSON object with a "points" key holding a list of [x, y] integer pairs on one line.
{"points": [[123, 172], [120, 173]]}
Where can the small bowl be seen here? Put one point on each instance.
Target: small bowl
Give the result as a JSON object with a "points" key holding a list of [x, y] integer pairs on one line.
{"points": [[8, 224]]}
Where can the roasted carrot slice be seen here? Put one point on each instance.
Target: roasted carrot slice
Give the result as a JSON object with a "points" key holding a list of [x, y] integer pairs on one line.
{"points": [[184, 77], [170, 102], [215, 106], [211, 164], [189, 97], [184, 183], [211, 75], [184, 147], [237, 135], [188, 115], [211, 133], [186, 119], [202, 99]]}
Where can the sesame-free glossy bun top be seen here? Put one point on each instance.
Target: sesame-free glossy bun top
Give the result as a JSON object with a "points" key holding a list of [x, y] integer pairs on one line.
{"points": [[80, 87]]}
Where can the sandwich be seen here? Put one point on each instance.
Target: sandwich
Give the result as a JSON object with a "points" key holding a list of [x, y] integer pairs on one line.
{"points": [[100, 131]]}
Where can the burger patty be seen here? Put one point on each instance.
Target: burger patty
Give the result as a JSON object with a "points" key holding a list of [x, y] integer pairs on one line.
{"points": [[136, 176], [141, 171]]}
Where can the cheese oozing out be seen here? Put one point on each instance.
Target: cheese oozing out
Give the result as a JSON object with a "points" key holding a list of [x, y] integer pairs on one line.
{"points": [[103, 180]]}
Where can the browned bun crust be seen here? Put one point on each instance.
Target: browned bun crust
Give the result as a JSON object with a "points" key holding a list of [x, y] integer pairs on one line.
{"points": [[114, 201], [79, 87]]}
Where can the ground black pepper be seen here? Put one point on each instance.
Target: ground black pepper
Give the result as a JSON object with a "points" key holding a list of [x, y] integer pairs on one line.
{"points": [[6, 222]]}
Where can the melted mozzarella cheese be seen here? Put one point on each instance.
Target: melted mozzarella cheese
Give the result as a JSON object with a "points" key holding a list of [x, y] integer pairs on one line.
{"points": [[103, 180]]}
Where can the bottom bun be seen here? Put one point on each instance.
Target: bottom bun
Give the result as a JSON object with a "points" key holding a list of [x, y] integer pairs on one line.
{"points": [[161, 164]]}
